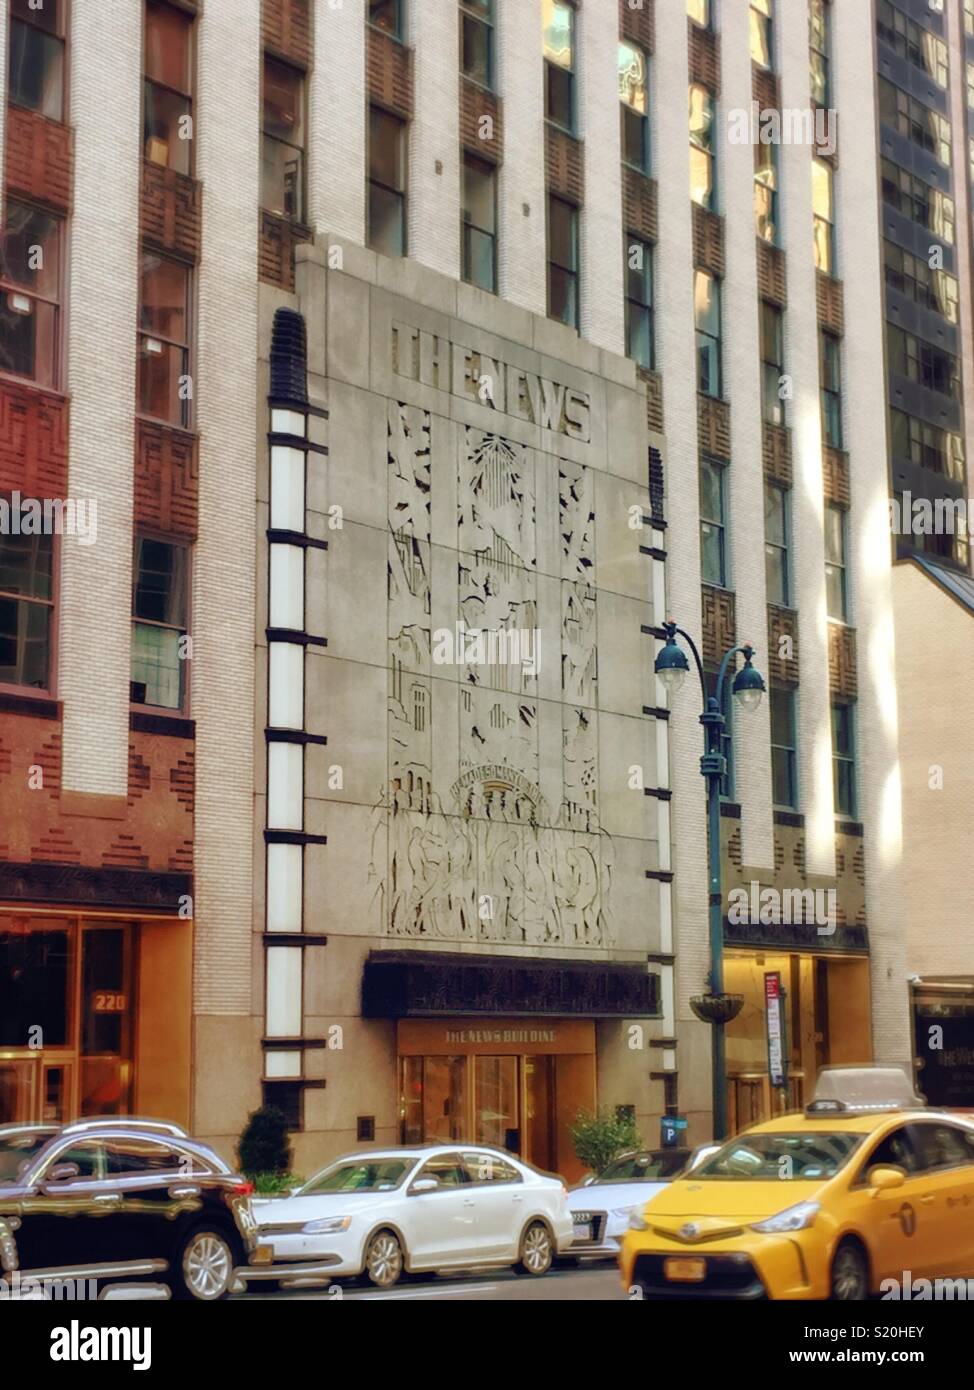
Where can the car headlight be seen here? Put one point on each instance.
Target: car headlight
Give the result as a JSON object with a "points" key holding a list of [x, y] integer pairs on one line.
{"points": [[795, 1218], [327, 1225], [636, 1222]]}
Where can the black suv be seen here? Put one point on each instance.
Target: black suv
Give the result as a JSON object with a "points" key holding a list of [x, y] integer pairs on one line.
{"points": [[111, 1202]]}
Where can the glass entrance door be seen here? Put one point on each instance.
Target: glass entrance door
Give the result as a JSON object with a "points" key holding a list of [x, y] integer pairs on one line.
{"points": [[106, 1021], [538, 1075], [495, 1100]]}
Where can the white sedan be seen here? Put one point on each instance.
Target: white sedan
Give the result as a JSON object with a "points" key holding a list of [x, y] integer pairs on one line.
{"points": [[429, 1208], [602, 1206]]}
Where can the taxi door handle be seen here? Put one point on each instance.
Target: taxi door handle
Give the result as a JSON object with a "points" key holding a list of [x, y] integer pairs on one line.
{"points": [[928, 1201], [184, 1192], [107, 1199]]}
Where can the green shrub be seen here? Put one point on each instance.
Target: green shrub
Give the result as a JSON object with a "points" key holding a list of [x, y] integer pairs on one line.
{"points": [[263, 1146], [274, 1184], [598, 1138]]}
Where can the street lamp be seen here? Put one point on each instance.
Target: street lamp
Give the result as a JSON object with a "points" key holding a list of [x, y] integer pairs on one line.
{"points": [[715, 1007]]}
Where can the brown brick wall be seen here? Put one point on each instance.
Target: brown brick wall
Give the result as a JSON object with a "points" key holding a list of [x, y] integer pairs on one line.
{"points": [[654, 398], [166, 479], [639, 200], [782, 622], [835, 472], [170, 210], [772, 280], [708, 240], [718, 623], [829, 302], [776, 452], [638, 25], [39, 158], [389, 73], [33, 441], [704, 56], [287, 29], [564, 173], [277, 240], [713, 426], [764, 87], [475, 103], [842, 660]]}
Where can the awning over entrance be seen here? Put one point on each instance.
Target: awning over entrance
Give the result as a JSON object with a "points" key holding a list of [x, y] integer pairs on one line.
{"points": [[431, 984]]}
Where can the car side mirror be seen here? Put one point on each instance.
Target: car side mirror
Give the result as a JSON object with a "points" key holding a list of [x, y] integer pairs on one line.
{"points": [[64, 1172], [884, 1177], [422, 1185]]}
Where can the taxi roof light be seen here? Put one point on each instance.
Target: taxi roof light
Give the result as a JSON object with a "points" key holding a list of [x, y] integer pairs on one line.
{"points": [[848, 1089]]}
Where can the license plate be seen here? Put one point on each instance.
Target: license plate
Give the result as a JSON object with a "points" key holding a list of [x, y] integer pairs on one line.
{"points": [[685, 1271], [263, 1255], [582, 1231]]}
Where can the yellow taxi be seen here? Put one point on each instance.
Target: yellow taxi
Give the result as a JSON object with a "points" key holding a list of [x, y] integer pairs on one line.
{"points": [[865, 1186]]}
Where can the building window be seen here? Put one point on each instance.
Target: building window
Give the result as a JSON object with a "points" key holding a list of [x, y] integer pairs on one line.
{"points": [[836, 591], [776, 567], [387, 182], [727, 736], [910, 41], [634, 99], [389, 16], [819, 49], [563, 262], [706, 311], [823, 213], [702, 182], [477, 41], [761, 37], [559, 62], [766, 192], [26, 608], [164, 383], [167, 115], [36, 78], [479, 223], [913, 276], [282, 155], [784, 758], [699, 11], [713, 552], [830, 378], [160, 584], [925, 127], [844, 758], [30, 278], [639, 301], [922, 362], [772, 363], [288, 1097], [938, 450], [917, 200]]}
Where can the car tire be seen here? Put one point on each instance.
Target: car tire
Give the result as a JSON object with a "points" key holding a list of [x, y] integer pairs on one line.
{"points": [[537, 1251], [385, 1260], [849, 1278], [201, 1268]]}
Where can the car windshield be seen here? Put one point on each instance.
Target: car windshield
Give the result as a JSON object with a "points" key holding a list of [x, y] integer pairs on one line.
{"points": [[381, 1175], [17, 1152], [651, 1167], [794, 1157]]}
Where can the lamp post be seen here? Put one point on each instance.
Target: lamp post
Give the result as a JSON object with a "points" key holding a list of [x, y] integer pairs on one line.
{"points": [[715, 1007]]}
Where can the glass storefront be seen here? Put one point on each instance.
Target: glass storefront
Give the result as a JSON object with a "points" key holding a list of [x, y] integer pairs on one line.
{"points": [[66, 1012]]}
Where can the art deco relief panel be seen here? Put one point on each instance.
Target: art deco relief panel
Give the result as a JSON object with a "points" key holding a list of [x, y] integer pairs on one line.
{"points": [[488, 828]]}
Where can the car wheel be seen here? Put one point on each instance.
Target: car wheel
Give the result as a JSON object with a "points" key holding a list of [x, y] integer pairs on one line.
{"points": [[850, 1274], [202, 1268], [537, 1250], [383, 1260]]}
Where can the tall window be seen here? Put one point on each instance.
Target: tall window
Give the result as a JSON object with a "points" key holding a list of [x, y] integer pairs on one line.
{"points": [[922, 362], [830, 378], [823, 214], [160, 583], [912, 275], [282, 155], [701, 146], [634, 99], [772, 362], [389, 15], [836, 590], [784, 756], [706, 312], [699, 11], [559, 63], [844, 758], [37, 57], [921, 124], [26, 609], [563, 262], [761, 37], [164, 328], [479, 223], [939, 450], [919, 201], [30, 287], [776, 567], [912, 41], [819, 50], [766, 192], [713, 550], [639, 300], [387, 182], [477, 41], [167, 95]]}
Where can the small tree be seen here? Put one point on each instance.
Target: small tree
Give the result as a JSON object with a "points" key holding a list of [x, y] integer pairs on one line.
{"points": [[263, 1146], [598, 1138]]}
